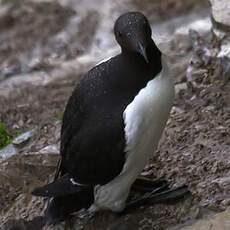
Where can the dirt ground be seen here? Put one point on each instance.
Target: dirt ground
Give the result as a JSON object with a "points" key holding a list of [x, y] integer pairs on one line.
{"points": [[194, 150]]}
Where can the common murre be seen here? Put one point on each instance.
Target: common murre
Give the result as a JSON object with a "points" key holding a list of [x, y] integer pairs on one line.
{"points": [[112, 124]]}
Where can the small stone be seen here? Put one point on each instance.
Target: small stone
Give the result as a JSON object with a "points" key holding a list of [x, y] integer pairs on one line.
{"points": [[180, 86], [20, 123], [177, 110], [22, 139], [8, 151], [50, 149], [225, 202]]}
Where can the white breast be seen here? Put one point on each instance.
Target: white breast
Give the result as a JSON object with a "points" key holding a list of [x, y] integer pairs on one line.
{"points": [[145, 118]]}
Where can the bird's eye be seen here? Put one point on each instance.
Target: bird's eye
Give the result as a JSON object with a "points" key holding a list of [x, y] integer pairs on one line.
{"points": [[119, 34]]}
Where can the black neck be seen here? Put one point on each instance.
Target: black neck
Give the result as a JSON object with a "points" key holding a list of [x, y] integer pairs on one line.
{"points": [[153, 54]]}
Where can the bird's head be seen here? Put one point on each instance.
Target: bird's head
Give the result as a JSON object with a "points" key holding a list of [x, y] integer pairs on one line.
{"points": [[133, 33]]}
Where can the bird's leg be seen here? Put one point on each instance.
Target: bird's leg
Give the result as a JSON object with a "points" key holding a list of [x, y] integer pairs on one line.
{"points": [[87, 213], [114, 194]]}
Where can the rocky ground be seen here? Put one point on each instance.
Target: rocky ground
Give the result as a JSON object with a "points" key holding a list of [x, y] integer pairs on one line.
{"points": [[38, 75]]}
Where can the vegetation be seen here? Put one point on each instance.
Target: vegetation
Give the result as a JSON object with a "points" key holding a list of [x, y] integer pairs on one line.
{"points": [[5, 138]]}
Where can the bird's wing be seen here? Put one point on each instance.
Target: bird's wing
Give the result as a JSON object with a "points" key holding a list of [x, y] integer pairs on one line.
{"points": [[72, 112], [60, 187], [92, 135]]}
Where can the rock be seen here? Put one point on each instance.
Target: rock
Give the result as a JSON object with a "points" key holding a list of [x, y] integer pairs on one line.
{"points": [[8, 151], [225, 202], [180, 86], [50, 149], [177, 110], [204, 58], [203, 25], [220, 14], [219, 221], [23, 139]]}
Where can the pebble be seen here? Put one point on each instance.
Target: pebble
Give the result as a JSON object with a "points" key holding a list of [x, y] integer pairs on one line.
{"points": [[22, 139], [8, 151], [50, 149]]}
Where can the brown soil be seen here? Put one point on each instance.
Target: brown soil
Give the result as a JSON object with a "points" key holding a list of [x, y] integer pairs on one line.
{"points": [[34, 105], [194, 151], [196, 144]]}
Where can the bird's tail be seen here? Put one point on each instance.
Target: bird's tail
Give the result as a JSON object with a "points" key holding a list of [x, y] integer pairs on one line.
{"points": [[61, 208], [65, 197]]}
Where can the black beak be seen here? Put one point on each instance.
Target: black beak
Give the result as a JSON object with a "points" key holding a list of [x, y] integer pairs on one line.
{"points": [[142, 51]]}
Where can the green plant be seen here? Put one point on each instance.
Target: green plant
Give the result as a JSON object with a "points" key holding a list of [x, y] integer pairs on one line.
{"points": [[5, 138]]}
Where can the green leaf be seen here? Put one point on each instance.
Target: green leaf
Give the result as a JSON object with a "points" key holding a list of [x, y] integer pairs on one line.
{"points": [[5, 137]]}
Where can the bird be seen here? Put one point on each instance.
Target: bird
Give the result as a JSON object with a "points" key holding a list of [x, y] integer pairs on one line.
{"points": [[111, 126]]}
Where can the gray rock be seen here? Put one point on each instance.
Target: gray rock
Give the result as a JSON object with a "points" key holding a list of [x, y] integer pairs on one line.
{"points": [[219, 221], [175, 33], [8, 151], [23, 139], [50, 149], [180, 86], [220, 14]]}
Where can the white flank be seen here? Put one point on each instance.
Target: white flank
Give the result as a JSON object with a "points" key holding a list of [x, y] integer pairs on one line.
{"points": [[145, 119]]}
